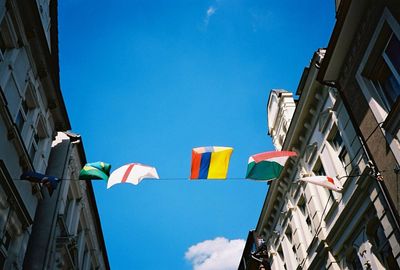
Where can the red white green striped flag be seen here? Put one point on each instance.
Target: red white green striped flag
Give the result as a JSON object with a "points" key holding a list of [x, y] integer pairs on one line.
{"points": [[325, 181], [268, 165]]}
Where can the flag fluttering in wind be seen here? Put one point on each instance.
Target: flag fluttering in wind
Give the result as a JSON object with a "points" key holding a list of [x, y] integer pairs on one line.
{"points": [[50, 182], [131, 173], [95, 170], [268, 165], [211, 162], [322, 180]]}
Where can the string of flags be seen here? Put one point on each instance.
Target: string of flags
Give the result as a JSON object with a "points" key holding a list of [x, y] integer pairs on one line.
{"points": [[211, 162]]}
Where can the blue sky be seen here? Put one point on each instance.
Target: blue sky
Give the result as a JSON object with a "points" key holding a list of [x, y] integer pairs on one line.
{"points": [[146, 81]]}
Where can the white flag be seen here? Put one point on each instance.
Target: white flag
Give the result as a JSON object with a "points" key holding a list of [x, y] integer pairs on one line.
{"points": [[322, 180], [131, 173]]}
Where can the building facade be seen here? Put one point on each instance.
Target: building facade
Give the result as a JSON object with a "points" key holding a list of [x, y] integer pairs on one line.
{"points": [[363, 62], [66, 233], [32, 112], [306, 226]]}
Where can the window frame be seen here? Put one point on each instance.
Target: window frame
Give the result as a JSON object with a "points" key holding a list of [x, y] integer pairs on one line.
{"points": [[39, 137], [317, 171], [343, 166], [306, 215]]}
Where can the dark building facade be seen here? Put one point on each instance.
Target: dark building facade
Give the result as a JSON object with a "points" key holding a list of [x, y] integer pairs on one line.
{"points": [[363, 62]]}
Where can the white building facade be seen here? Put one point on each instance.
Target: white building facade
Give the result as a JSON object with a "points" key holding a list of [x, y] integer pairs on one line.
{"points": [[306, 226], [32, 111]]}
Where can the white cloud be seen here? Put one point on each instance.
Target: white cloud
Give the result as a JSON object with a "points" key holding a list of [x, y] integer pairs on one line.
{"points": [[210, 11], [217, 254]]}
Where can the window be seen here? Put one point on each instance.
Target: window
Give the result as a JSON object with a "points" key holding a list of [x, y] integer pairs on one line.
{"points": [[303, 208], [20, 121], [34, 146], [320, 170], [306, 229], [336, 141], [24, 107], [379, 71], [308, 221], [288, 233], [282, 257], [38, 140], [379, 78], [346, 161], [43, 6], [384, 73], [8, 38], [23, 115], [289, 236], [32, 151]]}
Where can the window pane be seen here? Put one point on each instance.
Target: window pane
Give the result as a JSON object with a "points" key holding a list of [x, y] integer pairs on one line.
{"points": [[385, 82], [288, 234], [336, 141], [32, 152], [393, 52], [20, 121], [36, 139], [391, 89], [4, 44], [345, 159], [25, 107], [302, 206], [319, 170]]}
